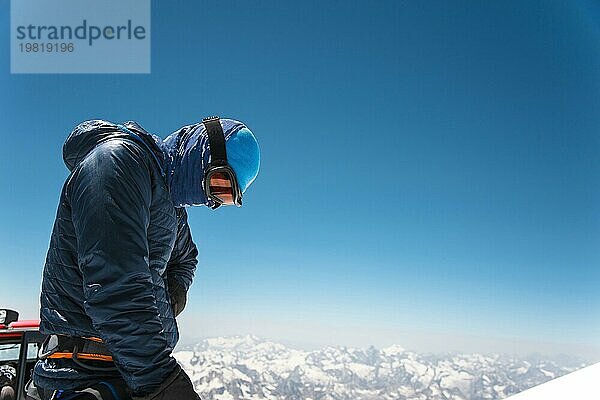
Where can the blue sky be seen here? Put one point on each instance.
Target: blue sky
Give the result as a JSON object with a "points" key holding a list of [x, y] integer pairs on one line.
{"points": [[429, 169]]}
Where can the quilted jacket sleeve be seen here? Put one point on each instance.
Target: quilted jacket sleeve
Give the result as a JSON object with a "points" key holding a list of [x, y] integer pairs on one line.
{"points": [[182, 264], [110, 195]]}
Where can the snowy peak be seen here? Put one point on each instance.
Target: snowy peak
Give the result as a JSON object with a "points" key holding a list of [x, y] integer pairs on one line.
{"points": [[581, 384], [246, 367]]}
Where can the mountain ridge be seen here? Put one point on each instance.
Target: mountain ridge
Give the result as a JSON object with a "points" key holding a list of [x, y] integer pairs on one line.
{"points": [[248, 367]]}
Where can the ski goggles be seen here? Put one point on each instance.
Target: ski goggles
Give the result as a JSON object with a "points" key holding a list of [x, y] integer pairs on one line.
{"points": [[220, 182]]}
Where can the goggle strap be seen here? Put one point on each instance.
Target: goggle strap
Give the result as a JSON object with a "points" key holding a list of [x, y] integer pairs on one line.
{"points": [[216, 141]]}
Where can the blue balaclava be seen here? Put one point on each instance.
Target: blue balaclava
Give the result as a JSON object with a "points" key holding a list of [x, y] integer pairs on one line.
{"points": [[188, 155]]}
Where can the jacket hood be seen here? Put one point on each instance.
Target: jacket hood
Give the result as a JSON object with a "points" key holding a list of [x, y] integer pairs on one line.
{"points": [[182, 158], [187, 157], [89, 134]]}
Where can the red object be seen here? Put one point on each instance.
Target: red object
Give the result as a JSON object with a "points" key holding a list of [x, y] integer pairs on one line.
{"points": [[26, 323], [4, 335], [15, 329]]}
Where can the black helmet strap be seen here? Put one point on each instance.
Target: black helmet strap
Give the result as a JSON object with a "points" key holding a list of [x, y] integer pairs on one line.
{"points": [[216, 141]]}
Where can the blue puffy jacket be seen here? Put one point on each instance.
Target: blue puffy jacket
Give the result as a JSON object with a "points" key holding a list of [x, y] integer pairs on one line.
{"points": [[119, 238]]}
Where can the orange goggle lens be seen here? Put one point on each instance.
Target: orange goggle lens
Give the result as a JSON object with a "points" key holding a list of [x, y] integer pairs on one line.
{"points": [[221, 187]]}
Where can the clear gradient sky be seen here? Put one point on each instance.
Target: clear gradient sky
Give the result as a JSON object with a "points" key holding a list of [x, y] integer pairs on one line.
{"points": [[429, 176]]}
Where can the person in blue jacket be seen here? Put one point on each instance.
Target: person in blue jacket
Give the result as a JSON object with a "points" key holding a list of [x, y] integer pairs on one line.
{"points": [[121, 257]]}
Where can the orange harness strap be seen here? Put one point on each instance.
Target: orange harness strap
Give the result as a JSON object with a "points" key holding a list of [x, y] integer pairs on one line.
{"points": [[94, 339], [83, 356]]}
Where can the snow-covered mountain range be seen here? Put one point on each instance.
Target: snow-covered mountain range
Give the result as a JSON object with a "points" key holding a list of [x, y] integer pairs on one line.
{"points": [[227, 368]]}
